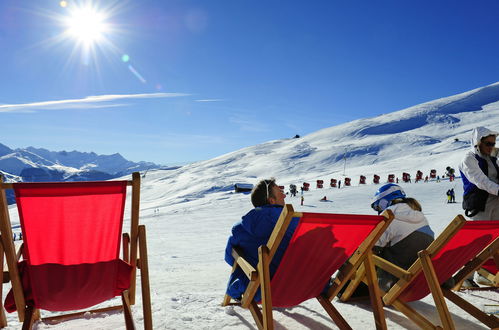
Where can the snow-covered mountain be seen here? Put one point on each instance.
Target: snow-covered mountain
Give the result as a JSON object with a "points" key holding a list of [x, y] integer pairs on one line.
{"points": [[37, 164], [189, 210], [431, 135]]}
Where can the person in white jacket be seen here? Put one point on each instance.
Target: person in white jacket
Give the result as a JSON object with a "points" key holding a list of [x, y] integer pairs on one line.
{"points": [[408, 233], [480, 175]]}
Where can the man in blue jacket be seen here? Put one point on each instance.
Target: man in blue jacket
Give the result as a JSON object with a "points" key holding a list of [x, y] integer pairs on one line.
{"points": [[254, 230]]}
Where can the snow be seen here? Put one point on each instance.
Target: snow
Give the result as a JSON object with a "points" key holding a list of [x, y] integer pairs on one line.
{"points": [[197, 208]]}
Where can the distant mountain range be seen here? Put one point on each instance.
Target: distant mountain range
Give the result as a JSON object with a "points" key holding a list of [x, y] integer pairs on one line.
{"points": [[38, 164]]}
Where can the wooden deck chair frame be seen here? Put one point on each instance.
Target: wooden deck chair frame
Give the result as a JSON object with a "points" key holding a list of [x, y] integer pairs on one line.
{"points": [[134, 246], [260, 277], [491, 252], [424, 264]]}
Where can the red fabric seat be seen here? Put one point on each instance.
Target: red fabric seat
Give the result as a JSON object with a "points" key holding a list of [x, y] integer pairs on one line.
{"points": [[490, 266], [472, 238], [320, 245], [72, 234]]}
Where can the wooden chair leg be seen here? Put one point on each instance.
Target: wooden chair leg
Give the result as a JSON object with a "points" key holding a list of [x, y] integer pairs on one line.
{"points": [[333, 313], [436, 291], [257, 314], [413, 315], [354, 283], [29, 318], [263, 269], [127, 311], [228, 298], [374, 292], [489, 320], [144, 279]]}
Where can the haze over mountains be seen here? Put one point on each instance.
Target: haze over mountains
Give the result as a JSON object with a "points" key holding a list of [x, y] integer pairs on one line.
{"points": [[38, 164]]}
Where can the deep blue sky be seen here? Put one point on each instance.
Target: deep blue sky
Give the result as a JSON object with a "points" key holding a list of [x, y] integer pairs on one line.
{"points": [[241, 72]]}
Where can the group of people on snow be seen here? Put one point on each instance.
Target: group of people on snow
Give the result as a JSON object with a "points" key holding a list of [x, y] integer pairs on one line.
{"points": [[408, 233]]}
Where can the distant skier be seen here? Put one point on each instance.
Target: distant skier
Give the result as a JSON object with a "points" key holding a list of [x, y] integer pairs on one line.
{"points": [[448, 196], [339, 184], [452, 195], [302, 199]]}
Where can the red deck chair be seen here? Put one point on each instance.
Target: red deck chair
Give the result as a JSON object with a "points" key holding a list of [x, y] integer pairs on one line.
{"points": [[486, 265], [72, 233], [457, 245], [321, 244]]}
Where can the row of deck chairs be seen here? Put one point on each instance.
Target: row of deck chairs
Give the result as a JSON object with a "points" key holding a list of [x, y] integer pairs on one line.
{"points": [[72, 238], [324, 245]]}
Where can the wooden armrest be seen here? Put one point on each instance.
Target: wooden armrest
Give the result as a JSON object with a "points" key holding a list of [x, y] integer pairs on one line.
{"points": [[248, 270], [391, 268]]}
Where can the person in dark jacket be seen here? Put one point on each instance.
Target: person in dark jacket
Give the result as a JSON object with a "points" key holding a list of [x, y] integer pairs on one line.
{"points": [[254, 230], [480, 175]]}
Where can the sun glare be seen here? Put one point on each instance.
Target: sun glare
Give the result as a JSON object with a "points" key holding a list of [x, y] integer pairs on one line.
{"points": [[87, 25]]}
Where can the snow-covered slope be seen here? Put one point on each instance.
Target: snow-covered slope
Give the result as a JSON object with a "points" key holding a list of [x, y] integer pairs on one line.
{"points": [[189, 211], [432, 135]]}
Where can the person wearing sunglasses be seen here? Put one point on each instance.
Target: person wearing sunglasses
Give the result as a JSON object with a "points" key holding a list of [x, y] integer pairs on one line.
{"points": [[254, 230], [480, 175]]}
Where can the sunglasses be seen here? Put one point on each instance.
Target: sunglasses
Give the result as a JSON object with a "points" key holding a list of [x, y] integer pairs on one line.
{"points": [[489, 144]]}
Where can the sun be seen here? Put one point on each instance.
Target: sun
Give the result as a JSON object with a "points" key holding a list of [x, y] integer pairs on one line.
{"points": [[86, 25]]}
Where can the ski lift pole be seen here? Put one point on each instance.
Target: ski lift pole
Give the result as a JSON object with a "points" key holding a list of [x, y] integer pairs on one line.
{"points": [[345, 163]]}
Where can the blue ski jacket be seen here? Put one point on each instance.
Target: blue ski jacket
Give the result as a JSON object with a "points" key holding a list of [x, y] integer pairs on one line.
{"points": [[249, 234]]}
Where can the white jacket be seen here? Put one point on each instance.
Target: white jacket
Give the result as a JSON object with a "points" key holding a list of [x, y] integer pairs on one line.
{"points": [[469, 166], [405, 222]]}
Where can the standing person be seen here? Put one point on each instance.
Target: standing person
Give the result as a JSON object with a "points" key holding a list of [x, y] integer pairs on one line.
{"points": [[408, 233], [452, 196], [480, 175], [448, 196], [339, 184], [254, 230]]}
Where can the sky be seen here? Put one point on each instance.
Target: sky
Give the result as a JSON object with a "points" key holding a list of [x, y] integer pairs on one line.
{"points": [[179, 81]]}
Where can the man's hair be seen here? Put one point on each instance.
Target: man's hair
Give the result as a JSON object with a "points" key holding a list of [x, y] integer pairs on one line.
{"points": [[262, 192]]}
